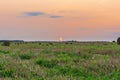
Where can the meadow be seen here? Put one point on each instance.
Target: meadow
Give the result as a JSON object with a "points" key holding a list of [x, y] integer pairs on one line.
{"points": [[60, 61]]}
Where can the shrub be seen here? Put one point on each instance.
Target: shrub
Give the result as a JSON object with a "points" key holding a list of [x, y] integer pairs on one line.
{"points": [[118, 41], [66, 43], [6, 43], [51, 43], [39, 43], [113, 41]]}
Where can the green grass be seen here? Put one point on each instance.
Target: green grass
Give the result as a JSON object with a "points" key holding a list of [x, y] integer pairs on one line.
{"points": [[60, 61], [25, 56]]}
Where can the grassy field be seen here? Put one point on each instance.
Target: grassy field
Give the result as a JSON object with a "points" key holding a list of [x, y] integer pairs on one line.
{"points": [[60, 61]]}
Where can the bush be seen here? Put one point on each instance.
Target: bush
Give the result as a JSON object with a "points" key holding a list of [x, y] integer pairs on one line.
{"points": [[113, 41], [118, 41], [6, 43]]}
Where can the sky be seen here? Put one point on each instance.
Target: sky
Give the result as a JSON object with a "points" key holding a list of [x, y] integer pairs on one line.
{"points": [[49, 20]]}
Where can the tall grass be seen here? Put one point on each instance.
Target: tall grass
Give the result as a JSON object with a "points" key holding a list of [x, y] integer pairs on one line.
{"points": [[60, 61]]}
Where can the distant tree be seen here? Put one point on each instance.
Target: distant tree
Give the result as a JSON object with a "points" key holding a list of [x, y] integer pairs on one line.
{"points": [[118, 41], [6, 43]]}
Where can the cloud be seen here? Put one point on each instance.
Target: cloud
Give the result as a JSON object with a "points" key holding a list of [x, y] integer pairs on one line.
{"points": [[33, 13], [56, 16]]}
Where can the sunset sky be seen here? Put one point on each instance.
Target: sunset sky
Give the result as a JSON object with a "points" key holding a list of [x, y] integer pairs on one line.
{"points": [[53, 19]]}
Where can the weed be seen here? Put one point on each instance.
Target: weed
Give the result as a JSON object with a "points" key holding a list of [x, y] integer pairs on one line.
{"points": [[45, 63], [25, 56]]}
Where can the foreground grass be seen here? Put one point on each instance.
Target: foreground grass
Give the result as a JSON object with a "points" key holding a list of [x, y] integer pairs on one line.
{"points": [[60, 61]]}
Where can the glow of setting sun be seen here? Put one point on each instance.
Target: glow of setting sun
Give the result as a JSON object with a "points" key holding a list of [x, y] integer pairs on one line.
{"points": [[60, 39]]}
